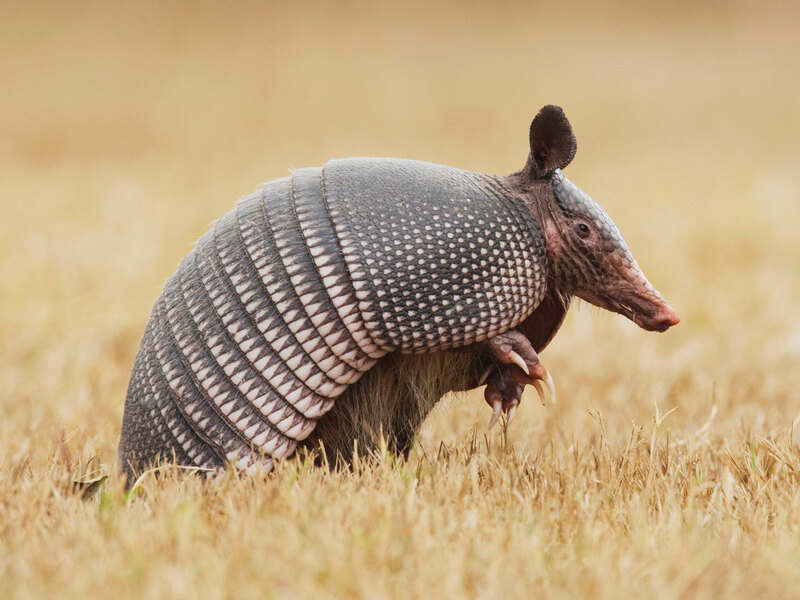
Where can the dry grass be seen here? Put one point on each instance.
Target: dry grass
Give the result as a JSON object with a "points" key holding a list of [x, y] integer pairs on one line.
{"points": [[125, 129]]}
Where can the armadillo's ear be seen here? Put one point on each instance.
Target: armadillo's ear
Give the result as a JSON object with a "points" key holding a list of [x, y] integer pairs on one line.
{"points": [[553, 143]]}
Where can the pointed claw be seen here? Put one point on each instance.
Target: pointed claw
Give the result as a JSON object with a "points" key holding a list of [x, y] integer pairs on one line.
{"points": [[538, 385], [548, 381], [539, 372], [511, 412], [517, 360], [497, 406], [485, 375]]}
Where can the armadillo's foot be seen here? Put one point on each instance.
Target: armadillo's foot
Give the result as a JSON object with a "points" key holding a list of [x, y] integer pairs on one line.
{"points": [[519, 366], [503, 394]]}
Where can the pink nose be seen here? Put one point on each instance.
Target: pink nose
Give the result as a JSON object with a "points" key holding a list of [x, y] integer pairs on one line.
{"points": [[666, 318]]}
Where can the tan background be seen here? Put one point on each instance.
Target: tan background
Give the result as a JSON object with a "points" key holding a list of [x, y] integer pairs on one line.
{"points": [[126, 128]]}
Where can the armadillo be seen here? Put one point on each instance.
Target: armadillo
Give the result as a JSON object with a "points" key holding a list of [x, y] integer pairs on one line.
{"points": [[337, 305]]}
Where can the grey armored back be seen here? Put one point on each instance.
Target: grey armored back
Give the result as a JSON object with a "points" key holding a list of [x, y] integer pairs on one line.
{"points": [[297, 292]]}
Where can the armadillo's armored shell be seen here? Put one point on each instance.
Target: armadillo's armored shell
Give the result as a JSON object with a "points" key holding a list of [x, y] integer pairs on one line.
{"points": [[295, 293]]}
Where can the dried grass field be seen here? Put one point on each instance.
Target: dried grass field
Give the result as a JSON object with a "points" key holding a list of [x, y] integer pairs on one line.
{"points": [[670, 467]]}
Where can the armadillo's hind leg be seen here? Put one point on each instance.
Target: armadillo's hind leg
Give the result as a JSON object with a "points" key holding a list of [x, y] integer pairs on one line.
{"points": [[518, 366]]}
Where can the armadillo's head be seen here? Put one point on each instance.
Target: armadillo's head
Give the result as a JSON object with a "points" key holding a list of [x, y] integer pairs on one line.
{"points": [[588, 255], [592, 260]]}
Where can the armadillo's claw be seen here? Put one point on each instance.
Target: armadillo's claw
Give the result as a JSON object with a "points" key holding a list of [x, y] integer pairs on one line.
{"points": [[485, 375], [538, 385], [550, 386], [511, 412], [519, 366], [497, 408], [517, 360], [540, 374], [513, 348], [503, 394]]}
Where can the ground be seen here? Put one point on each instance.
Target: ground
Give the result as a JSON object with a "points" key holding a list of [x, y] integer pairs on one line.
{"points": [[669, 467]]}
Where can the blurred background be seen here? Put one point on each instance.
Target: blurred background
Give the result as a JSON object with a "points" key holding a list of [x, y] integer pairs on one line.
{"points": [[127, 128]]}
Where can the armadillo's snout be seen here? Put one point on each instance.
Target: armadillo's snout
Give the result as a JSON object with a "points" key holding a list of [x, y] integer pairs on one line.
{"points": [[643, 305], [650, 310], [665, 318]]}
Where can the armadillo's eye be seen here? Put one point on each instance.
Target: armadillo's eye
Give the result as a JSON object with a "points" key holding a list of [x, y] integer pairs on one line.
{"points": [[583, 230]]}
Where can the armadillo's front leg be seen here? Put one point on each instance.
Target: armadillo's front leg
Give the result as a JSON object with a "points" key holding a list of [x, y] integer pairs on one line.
{"points": [[519, 366]]}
